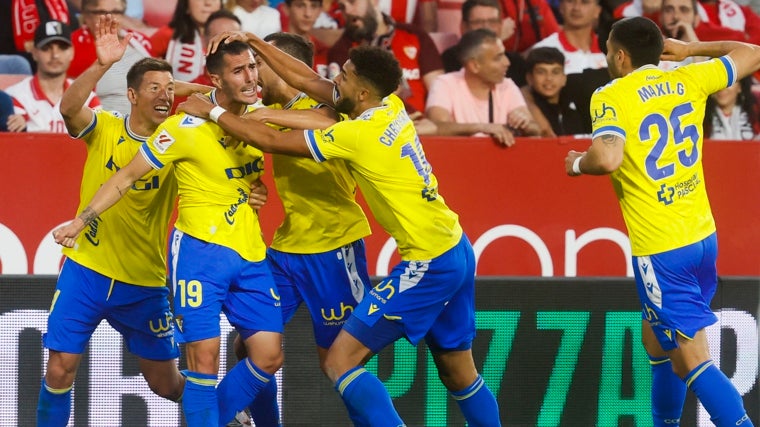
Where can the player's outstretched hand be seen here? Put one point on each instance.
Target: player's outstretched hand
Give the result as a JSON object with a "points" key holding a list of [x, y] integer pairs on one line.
{"points": [[197, 104], [675, 50], [66, 235], [108, 48], [258, 197]]}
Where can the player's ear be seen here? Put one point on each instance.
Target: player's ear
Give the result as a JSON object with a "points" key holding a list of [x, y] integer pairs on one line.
{"points": [[132, 95], [216, 80]]}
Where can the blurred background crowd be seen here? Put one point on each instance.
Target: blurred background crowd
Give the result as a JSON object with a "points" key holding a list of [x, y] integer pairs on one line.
{"points": [[503, 68]]}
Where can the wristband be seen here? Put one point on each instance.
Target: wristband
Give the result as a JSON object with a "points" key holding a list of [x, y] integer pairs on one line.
{"points": [[577, 165], [215, 113]]}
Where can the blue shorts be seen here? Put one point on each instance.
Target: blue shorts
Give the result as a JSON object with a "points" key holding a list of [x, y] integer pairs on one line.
{"points": [[84, 297], [209, 279], [434, 299], [331, 284], [675, 289]]}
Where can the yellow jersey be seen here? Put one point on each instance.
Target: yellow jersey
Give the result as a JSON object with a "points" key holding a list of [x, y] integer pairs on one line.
{"points": [[214, 174], [660, 184], [319, 199], [127, 242], [385, 156]]}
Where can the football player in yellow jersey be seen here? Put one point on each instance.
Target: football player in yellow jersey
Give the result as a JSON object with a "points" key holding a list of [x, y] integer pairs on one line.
{"points": [[99, 279], [317, 255], [430, 294], [217, 252], [647, 135]]}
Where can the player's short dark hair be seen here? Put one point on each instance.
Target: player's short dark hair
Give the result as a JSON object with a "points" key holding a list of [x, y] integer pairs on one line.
{"points": [[138, 69], [294, 45], [468, 5], [471, 42], [544, 55], [377, 66], [215, 61], [220, 14], [640, 37]]}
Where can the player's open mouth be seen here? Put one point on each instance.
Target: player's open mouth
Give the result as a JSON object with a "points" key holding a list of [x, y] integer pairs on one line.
{"points": [[162, 108], [249, 91]]}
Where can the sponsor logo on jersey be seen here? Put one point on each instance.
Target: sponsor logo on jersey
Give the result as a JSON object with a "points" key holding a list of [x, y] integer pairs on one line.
{"points": [[163, 141]]}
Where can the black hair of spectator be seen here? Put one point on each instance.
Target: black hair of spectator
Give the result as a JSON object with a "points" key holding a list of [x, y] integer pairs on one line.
{"points": [[294, 45], [221, 14], [290, 2], [471, 42], [215, 61], [746, 101], [640, 38], [137, 71], [544, 55], [182, 23], [468, 5], [378, 66]]}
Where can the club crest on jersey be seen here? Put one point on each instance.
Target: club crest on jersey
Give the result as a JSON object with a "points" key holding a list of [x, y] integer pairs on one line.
{"points": [[410, 51], [191, 122], [163, 141]]}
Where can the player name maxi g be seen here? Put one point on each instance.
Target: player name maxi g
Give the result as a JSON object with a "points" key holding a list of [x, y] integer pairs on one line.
{"points": [[14, 255]]}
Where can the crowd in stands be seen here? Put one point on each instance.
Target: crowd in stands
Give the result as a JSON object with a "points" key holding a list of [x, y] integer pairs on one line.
{"points": [[502, 68]]}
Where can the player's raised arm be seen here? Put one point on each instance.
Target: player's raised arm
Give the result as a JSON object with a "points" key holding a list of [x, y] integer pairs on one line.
{"points": [[109, 50], [746, 56], [294, 72], [250, 131], [108, 195]]}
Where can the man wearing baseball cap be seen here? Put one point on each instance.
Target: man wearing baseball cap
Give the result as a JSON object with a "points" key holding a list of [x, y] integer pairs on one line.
{"points": [[37, 99]]}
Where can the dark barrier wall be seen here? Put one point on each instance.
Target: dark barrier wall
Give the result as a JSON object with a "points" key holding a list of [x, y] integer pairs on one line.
{"points": [[523, 214], [557, 352]]}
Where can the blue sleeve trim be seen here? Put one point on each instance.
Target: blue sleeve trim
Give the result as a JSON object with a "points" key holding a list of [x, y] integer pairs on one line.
{"points": [[89, 127], [609, 130], [311, 142], [149, 157], [730, 69]]}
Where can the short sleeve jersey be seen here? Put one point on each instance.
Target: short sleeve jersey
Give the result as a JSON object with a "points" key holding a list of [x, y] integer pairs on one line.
{"points": [[321, 212], [128, 241], [214, 174], [660, 184], [386, 158]]}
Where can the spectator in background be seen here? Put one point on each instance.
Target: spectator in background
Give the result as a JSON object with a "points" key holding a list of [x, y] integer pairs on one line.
{"points": [[727, 20], [414, 49], [678, 19], [37, 99], [486, 14], [255, 16], [19, 20], [112, 87], [6, 110], [732, 113], [181, 42], [646, 8], [302, 15], [554, 113], [534, 21], [585, 64], [478, 98], [422, 13]]}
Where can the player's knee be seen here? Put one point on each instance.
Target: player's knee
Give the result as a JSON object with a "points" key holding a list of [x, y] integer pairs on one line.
{"points": [[61, 371], [171, 390]]}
